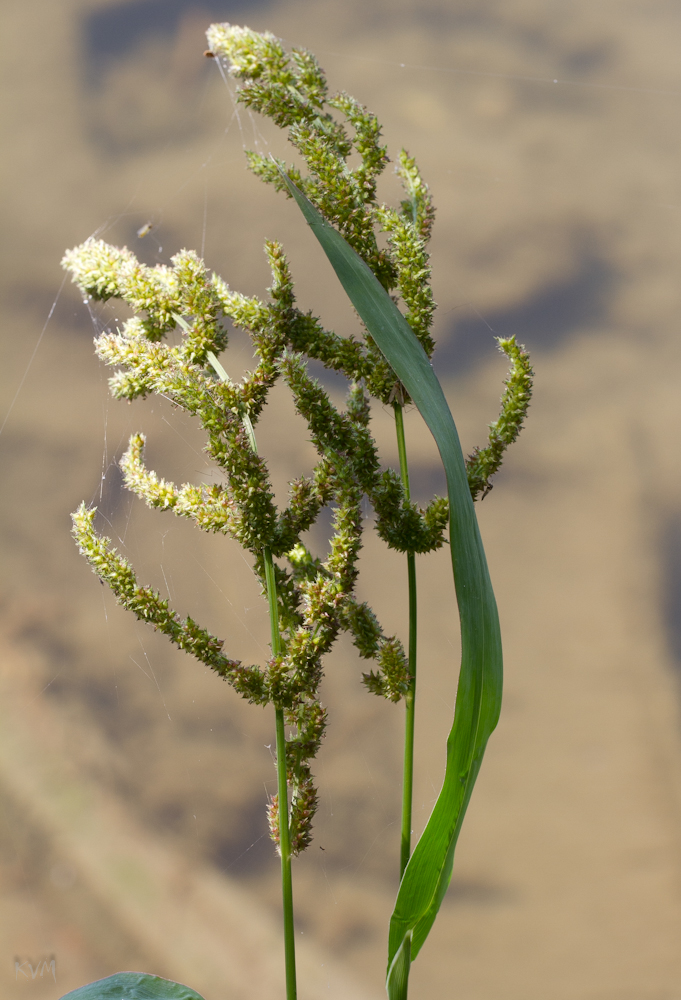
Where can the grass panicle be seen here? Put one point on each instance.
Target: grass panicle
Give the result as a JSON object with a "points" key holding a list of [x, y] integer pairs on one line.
{"points": [[380, 256]]}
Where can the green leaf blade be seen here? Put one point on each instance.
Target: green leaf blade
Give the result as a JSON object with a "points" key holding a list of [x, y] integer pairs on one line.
{"points": [[478, 700], [133, 986]]}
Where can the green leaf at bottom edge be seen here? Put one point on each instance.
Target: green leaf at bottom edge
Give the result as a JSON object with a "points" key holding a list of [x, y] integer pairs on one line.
{"points": [[133, 986]]}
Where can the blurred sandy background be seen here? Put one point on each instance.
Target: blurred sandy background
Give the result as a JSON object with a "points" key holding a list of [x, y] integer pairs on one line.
{"points": [[133, 783]]}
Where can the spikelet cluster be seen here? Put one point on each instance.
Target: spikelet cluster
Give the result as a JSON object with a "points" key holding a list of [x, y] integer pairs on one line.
{"points": [[316, 599], [315, 596], [291, 89]]}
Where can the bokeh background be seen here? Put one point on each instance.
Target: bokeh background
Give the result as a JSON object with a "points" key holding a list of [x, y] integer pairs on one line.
{"points": [[133, 783]]}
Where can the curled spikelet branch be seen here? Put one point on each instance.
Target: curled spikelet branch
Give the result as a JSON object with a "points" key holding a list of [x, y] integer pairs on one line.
{"points": [[147, 605], [482, 463], [402, 524], [390, 679], [209, 506]]}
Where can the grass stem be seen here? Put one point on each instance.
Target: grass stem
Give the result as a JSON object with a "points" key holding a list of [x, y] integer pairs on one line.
{"points": [[282, 790], [410, 699], [282, 785]]}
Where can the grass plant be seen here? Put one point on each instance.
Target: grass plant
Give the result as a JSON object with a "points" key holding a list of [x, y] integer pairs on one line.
{"points": [[175, 345]]}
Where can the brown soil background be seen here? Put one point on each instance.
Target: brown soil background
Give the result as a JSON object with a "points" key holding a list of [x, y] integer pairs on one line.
{"points": [[133, 783]]}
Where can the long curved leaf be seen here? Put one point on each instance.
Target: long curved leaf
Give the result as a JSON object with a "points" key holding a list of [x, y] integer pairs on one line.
{"points": [[478, 699], [133, 986]]}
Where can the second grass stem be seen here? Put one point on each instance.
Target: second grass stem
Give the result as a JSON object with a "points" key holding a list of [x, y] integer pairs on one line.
{"points": [[410, 699]]}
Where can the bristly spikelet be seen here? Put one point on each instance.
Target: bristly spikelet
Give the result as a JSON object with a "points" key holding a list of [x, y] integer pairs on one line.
{"points": [[418, 208], [98, 268], [391, 680]]}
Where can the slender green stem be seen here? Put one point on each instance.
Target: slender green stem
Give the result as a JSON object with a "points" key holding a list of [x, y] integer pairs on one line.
{"points": [[410, 699], [282, 790], [285, 848], [282, 786]]}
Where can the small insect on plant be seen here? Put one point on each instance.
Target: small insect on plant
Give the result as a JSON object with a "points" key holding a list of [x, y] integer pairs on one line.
{"points": [[312, 599]]}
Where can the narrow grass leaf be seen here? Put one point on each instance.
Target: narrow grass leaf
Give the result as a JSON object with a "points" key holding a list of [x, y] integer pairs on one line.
{"points": [[133, 986], [478, 699]]}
